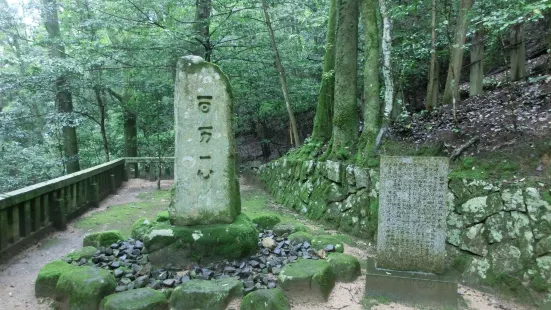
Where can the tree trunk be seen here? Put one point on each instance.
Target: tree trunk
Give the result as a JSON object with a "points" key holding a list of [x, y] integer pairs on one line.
{"points": [[387, 70], [63, 98], [282, 77], [323, 121], [432, 86], [451, 91], [372, 102], [345, 119], [477, 62], [102, 115], [130, 134], [202, 33], [518, 52]]}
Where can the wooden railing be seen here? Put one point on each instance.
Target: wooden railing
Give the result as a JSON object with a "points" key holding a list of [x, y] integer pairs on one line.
{"points": [[29, 213], [150, 168]]}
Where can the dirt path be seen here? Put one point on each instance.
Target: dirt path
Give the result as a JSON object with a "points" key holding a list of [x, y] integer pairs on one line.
{"points": [[17, 275]]}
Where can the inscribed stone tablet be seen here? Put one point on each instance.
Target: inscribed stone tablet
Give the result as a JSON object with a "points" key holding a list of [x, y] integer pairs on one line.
{"points": [[412, 214], [206, 185]]}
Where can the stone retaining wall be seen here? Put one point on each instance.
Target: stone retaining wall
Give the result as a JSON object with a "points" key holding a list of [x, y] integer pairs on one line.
{"points": [[493, 229]]}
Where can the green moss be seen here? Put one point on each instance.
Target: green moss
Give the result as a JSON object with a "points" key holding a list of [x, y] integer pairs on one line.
{"points": [[539, 284], [322, 241], [141, 228], [461, 262], [105, 238], [272, 299], [48, 276], [84, 287], [138, 299], [85, 252], [345, 267], [162, 216], [288, 228], [508, 285], [266, 221], [205, 295], [300, 236], [314, 276]]}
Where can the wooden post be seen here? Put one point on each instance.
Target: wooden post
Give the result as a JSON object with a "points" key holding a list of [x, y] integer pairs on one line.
{"points": [[59, 210], [4, 229], [15, 224], [113, 183], [93, 192], [46, 209], [74, 198], [27, 221], [36, 213]]}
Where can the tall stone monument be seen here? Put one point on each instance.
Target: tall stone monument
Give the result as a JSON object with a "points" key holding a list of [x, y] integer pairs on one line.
{"points": [[411, 233], [206, 184]]}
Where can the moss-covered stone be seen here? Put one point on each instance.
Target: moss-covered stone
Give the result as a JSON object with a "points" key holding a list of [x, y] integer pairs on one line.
{"points": [[205, 295], [322, 241], [82, 288], [272, 299], [162, 216], [345, 267], [103, 238], [48, 276], [86, 252], [141, 228], [288, 228], [266, 221], [181, 245], [300, 236], [139, 299], [307, 278], [543, 246]]}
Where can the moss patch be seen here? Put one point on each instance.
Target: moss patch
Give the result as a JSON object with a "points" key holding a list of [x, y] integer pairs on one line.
{"points": [[300, 236], [313, 277], [86, 252], [272, 299], [345, 267], [205, 295], [266, 221], [48, 276], [84, 287], [104, 238], [320, 242], [139, 299], [162, 216]]}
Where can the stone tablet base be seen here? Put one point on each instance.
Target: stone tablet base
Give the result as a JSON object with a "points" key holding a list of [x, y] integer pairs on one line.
{"points": [[427, 290], [180, 246]]}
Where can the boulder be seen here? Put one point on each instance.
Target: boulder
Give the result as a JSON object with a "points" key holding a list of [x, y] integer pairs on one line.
{"points": [[48, 276], [205, 294], [288, 228], [83, 288], [272, 299], [266, 221], [139, 299], [345, 267], [307, 279], [162, 216], [300, 236], [327, 242], [543, 246], [104, 238], [86, 252]]}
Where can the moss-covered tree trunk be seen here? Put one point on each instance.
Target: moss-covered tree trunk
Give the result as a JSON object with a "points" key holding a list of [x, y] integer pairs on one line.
{"points": [[432, 86], [345, 117], [203, 9], [451, 91], [323, 120], [518, 52], [282, 78], [386, 47], [372, 102], [477, 62], [63, 97]]}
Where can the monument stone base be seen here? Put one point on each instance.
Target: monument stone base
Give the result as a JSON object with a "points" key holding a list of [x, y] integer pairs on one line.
{"points": [[417, 289], [180, 246]]}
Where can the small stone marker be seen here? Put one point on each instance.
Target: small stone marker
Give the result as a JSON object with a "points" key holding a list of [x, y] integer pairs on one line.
{"points": [[412, 214], [206, 184]]}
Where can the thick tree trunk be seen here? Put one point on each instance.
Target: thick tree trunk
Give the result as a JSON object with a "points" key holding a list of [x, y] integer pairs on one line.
{"points": [[282, 77], [345, 119], [63, 97], [387, 70], [323, 121], [477, 62], [518, 52], [451, 91], [202, 33], [130, 134], [432, 86], [372, 102], [102, 115]]}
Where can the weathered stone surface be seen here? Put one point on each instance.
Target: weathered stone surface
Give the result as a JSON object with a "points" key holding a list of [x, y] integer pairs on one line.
{"points": [[272, 299], [345, 267], [479, 208], [138, 299], [334, 171], [288, 228], [543, 246], [83, 288], [205, 295], [361, 176], [206, 185], [506, 259], [513, 200], [307, 279], [103, 238], [539, 211], [544, 264], [472, 240], [300, 236], [412, 213], [85, 252], [48, 276]]}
